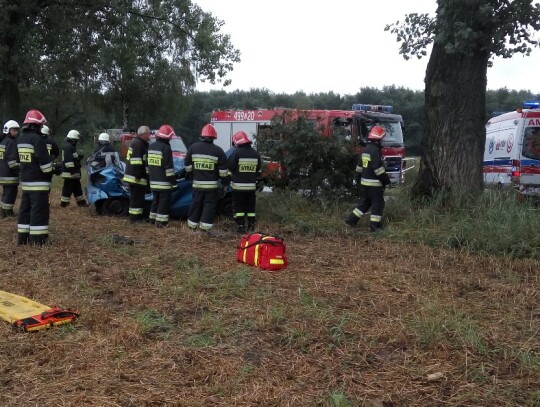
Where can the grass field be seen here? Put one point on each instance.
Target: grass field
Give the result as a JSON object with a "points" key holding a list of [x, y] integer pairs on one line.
{"points": [[356, 319]]}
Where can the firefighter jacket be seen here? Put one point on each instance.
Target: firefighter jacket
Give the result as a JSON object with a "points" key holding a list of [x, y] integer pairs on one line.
{"points": [[9, 161], [52, 148], [71, 162], [35, 162], [372, 168], [244, 164], [208, 163], [160, 165], [105, 154], [136, 162]]}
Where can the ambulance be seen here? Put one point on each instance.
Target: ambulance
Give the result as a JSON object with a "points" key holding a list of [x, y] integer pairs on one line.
{"points": [[512, 150]]}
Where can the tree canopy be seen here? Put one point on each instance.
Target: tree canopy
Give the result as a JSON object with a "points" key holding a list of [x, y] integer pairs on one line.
{"points": [[139, 52]]}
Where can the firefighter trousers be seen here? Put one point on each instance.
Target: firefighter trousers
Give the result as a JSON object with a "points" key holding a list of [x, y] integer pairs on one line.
{"points": [[9, 196], [33, 224], [203, 209], [243, 203], [161, 207], [136, 202], [72, 186], [372, 198]]}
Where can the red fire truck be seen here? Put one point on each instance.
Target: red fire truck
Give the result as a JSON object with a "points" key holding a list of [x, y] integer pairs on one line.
{"points": [[352, 124]]}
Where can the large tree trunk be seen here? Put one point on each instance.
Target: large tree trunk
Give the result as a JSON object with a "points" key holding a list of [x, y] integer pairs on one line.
{"points": [[454, 132], [10, 42]]}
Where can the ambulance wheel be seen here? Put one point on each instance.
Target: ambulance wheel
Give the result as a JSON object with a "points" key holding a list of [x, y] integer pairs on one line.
{"points": [[115, 207], [225, 206]]}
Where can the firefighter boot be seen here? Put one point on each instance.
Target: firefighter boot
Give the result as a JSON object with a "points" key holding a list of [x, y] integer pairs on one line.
{"points": [[375, 226], [39, 240], [240, 228], [82, 203], [352, 220], [23, 238], [8, 213], [251, 224], [64, 204]]}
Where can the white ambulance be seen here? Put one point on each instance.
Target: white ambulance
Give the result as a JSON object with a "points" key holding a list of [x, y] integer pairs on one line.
{"points": [[512, 151]]}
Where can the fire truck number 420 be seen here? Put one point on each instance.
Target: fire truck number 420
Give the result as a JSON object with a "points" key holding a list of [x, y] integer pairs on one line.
{"points": [[244, 116]]}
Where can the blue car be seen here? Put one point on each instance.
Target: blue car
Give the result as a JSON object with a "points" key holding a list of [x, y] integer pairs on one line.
{"points": [[107, 192]]}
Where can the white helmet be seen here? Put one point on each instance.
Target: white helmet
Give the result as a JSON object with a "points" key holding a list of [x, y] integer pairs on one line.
{"points": [[11, 124], [73, 135], [104, 137], [45, 130]]}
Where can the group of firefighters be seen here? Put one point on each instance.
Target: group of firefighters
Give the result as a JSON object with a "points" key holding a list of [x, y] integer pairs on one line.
{"points": [[206, 164], [30, 159]]}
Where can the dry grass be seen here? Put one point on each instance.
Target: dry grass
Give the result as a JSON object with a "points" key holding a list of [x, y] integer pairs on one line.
{"points": [[174, 320]]}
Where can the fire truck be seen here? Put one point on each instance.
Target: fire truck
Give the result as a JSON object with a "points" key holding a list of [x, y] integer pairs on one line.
{"points": [[353, 124]]}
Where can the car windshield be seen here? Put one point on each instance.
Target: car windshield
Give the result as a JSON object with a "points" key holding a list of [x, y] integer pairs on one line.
{"points": [[531, 143], [394, 135], [177, 144]]}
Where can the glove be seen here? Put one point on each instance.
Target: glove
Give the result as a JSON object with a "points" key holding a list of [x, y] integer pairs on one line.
{"points": [[57, 169], [225, 182], [189, 175]]}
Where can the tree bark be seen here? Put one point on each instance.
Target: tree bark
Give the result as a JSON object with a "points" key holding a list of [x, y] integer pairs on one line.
{"points": [[9, 70], [454, 132]]}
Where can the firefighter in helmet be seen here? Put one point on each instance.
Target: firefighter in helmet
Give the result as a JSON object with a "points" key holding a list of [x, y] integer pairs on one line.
{"points": [[206, 163], [71, 161], [244, 164], [373, 182], [136, 173], [104, 154], [9, 167], [161, 175], [52, 147], [36, 174]]}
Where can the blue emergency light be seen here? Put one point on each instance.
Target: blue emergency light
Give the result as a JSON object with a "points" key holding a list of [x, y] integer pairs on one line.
{"points": [[531, 104], [372, 108]]}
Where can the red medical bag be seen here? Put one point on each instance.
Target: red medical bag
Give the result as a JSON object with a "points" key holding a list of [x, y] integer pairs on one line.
{"points": [[264, 251]]}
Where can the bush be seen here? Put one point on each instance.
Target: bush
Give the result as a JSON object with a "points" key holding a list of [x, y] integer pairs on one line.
{"points": [[317, 166]]}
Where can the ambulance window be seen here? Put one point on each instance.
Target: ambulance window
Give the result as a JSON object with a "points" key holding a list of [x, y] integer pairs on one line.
{"points": [[531, 143]]}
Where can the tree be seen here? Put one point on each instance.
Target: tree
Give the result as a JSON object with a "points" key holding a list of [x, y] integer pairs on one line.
{"points": [[465, 35], [135, 49]]}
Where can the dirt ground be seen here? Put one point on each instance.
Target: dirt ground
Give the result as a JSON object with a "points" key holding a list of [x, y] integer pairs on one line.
{"points": [[174, 320]]}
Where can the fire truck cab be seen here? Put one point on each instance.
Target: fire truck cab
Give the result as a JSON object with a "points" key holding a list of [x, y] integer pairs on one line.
{"points": [[353, 124], [512, 150]]}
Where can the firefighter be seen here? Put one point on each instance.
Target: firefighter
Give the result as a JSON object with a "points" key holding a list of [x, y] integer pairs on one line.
{"points": [[206, 163], [9, 168], [373, 182], [36, 174], [71, 161], [52, 147], [245, 165], [161, 175], [136, 173], [104, 154]]}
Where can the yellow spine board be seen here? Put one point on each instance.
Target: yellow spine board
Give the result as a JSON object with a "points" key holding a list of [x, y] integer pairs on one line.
{"points": [[14, 307]]}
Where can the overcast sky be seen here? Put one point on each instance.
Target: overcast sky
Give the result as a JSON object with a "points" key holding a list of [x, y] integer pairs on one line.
{"points": [[337, 45]]}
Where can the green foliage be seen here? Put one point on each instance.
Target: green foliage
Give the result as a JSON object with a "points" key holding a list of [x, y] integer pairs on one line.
{"points": [[141, 55], [498, 27], [496, 224], [318, 166]]}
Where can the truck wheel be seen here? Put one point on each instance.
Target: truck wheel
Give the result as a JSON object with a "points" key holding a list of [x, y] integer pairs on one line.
{"points": [[225, 206], [115, 207]]}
